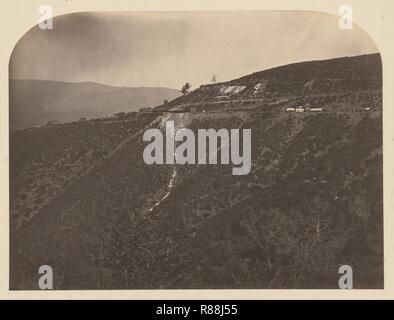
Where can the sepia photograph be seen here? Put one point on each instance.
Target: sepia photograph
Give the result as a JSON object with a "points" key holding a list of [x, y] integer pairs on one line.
{"points": [[195, 150]]}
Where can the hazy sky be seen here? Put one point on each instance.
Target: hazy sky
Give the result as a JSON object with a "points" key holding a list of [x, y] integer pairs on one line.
{"points": [[169, 49]]}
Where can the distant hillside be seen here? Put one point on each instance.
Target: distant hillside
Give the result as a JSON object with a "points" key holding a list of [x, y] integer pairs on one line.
{"points": [[35, 102]]}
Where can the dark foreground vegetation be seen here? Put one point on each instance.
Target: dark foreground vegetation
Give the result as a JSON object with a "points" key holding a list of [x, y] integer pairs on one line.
{"points": [[83, 201]]}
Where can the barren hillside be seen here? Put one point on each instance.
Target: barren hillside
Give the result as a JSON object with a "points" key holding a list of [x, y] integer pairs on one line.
{"points": [[83, 201]]}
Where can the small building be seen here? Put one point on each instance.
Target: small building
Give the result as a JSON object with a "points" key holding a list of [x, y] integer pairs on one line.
{"points": [[186, 109], [52, 122]]}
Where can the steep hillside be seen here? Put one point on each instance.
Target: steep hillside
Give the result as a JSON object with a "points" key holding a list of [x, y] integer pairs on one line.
{"points": [[83, 200], [331, 80], [35, 102]]}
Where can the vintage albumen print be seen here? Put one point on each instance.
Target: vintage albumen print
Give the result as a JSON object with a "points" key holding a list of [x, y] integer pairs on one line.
{"points": [[196, 150]]}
